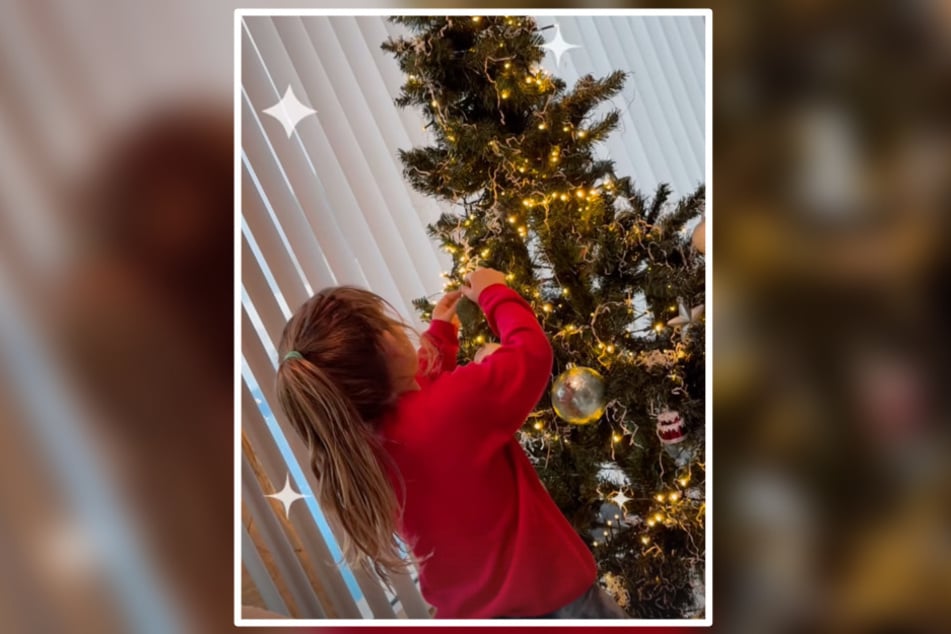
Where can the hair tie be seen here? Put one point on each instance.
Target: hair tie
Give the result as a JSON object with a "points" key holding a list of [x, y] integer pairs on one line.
{"points": [[293, 354]]}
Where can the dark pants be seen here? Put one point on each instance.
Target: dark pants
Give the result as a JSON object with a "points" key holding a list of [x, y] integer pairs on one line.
{"points": [[595, 603]]}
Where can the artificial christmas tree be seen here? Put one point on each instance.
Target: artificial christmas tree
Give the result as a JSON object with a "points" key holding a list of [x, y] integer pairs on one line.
{"points": [[608, 272]]}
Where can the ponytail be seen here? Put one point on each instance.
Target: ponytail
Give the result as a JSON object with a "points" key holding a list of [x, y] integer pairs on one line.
{"points": [[345, 456]]}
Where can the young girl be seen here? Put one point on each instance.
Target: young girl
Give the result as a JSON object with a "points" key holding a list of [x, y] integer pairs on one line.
{"points": [[406, 444]]}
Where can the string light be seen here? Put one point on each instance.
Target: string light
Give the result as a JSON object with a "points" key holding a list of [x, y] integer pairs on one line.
{"points": [[505, 94], [480, 339], [564, 196], [476, 19], [548, 308], [485, 252], [659, 497], [435, 104], [510, 277], [582, 134], [542, 125], [616, 438], [645, 540], [658, 327], [674, 496], [683, 481], [539, 425], [512, 220], [508, 65], [529, 79]]}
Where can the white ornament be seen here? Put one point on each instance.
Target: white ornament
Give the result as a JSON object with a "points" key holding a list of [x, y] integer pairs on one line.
{"points": [[558, 46], [685, 318], [611, 473], [699, 237], [289, 111], [670, 427], [287, 496]]}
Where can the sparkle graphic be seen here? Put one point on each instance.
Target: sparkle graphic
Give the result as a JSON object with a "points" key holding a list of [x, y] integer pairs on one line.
{"points": [[558, 46], [289, 111], [287, 496], [620, 499]]}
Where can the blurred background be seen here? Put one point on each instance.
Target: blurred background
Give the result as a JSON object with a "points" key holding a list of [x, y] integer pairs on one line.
{"points": [[832, 186]]}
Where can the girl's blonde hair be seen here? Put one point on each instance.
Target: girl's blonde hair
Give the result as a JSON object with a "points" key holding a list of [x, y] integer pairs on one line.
{"points": [[334, 394]]}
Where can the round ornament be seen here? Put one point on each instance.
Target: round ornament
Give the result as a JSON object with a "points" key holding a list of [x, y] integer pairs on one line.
{"points": [[670, 427], [578, 395], [699, 237]]}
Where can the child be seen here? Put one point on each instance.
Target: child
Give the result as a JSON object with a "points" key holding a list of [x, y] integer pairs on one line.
{"points": [[405, 443]]}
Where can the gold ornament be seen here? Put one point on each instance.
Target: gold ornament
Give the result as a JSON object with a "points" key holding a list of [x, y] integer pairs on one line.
{"points": [[578, 395]]}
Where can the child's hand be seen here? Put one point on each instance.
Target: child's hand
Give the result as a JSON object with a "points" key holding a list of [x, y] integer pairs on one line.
{"points": [[445, 308], [479, 280]]}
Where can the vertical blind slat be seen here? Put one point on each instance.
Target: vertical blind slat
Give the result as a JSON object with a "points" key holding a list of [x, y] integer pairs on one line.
{"points": [[259, 575], [276, 542]]}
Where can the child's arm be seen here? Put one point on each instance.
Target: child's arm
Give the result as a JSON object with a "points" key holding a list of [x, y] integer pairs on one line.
{"points": [[443, 333], [444, 336], [494, 397]]}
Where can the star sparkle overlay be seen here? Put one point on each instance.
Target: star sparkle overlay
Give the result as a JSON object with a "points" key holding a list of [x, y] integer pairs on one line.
{"points": [[289, 111], [287, 496], [558, 46]]}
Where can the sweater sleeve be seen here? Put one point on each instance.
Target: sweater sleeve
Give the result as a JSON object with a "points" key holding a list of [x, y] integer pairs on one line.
{"points": [[496, 395], [445, 339]]}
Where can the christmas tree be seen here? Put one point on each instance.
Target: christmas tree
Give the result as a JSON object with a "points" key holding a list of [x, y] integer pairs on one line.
{"points": [[612, 277]]}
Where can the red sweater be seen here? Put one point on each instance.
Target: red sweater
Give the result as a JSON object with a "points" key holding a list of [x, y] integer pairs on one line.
{"points": [[497, 544]]}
